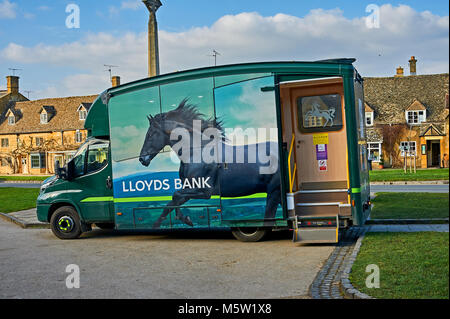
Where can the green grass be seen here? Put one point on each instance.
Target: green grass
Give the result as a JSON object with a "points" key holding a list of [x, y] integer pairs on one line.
{"points": [[410, 205], [412, 265], [23, 178], [13, 199], [392, 175]]}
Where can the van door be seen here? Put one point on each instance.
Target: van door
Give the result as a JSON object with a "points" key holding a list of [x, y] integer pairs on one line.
{"points": [[314, 130], [90, 185]]}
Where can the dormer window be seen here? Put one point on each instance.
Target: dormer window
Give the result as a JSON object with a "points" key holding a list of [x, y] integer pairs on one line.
{"points": [[369, 118], [416, 113], [83, 110], [11, 120], [82, 114], [44, 118], [415, 117]]}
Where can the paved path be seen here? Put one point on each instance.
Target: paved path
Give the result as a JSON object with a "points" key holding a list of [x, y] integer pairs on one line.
{"points": [[21, 185], [141, 264], [427, 188]]}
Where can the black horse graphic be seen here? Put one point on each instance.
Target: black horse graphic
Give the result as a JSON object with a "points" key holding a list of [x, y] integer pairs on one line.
{"points": [[227, 176]]}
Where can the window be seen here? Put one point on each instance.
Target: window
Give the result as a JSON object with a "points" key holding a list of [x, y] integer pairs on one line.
{"points": [[374, 150], [11, 120], [5, 142], [38, 160], [408, 147], [320, 113], [82, 114], [39, 141], [415, 117], [78, 137], [97, 157], [369, 118], [4, 161], [44, 118]]}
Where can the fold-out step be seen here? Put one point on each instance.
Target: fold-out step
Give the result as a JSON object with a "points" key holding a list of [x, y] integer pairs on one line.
{"points": [[313, 229]]}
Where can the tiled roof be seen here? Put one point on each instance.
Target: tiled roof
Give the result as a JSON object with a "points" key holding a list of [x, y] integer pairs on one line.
{"points": [[391, 96], [65, 115]]}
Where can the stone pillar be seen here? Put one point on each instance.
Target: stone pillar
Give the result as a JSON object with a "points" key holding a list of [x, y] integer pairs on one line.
{"points": [[400, 72], [153, 49]]}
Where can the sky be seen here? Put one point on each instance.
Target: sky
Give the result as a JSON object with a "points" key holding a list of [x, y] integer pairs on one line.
{"points": [[57, 61]]}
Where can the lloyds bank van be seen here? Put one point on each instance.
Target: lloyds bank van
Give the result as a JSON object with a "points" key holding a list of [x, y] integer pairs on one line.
{"points": [[248, 147]]}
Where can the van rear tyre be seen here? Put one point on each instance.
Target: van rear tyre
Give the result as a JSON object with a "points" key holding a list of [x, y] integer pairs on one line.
{"points": [[249, 234], [65, 223]]}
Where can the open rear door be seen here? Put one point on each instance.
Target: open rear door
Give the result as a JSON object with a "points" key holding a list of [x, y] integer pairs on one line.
{"points": [[314, 129]]}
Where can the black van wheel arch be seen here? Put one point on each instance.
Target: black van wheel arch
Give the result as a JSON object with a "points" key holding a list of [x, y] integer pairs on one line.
{"points": [[65, 223], [105, 225], [249, 234]]}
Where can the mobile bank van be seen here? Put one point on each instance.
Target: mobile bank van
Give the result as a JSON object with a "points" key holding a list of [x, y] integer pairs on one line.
{"points": [[248, 147]]}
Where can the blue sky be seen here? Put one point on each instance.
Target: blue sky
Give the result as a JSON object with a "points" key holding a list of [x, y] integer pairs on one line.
{"points": [[33, 37]]}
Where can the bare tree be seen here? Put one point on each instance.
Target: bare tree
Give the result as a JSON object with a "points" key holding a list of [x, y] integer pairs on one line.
{"points": [[391, 134]]}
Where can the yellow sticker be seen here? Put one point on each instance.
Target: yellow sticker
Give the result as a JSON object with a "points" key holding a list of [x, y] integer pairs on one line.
{"points": [[320, 138]]}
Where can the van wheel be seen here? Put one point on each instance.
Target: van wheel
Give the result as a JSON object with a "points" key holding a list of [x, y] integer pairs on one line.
{"points": [[65, 223], [249, 234], [105, 225]]}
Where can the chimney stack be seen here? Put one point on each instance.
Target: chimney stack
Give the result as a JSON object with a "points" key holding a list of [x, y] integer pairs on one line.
{"points": [[115, 81], [412, 66], [400, 72], [12, 84]]}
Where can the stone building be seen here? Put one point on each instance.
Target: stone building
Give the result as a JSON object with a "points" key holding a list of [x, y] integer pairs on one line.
{"points": [[34, 134], [11, 94], [407, 119]]}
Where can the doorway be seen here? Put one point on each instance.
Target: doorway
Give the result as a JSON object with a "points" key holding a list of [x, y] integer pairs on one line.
{"points": [[433, 153]]}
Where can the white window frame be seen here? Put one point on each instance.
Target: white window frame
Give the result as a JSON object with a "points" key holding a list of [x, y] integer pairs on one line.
{"points": [[44, 118], [369, 115], [4, 142], [82, 114], [78, 136], [420, 117], [11, 120], [369, 148], [42, 159], [405, 143]]}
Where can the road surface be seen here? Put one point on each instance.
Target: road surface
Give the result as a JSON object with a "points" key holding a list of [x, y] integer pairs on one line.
{"points": [[147, 265]]}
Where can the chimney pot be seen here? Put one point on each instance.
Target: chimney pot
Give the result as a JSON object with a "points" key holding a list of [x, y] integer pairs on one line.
{"points": [[413, 66], [115, 81], [12, 84], [400, 72]]}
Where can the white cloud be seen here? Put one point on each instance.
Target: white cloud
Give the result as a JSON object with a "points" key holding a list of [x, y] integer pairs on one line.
{"points": [[133, 4], [250, 37], [7, 10]]}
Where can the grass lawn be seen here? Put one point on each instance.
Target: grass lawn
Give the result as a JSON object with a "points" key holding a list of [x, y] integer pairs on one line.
{"points": [[410, 205], [392, 175], [14, 199], [412, 265], [23, 178]]}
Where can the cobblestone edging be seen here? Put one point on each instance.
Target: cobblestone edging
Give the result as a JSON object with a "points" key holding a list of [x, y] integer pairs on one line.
{"points": [[327, 284], [346, 286]]}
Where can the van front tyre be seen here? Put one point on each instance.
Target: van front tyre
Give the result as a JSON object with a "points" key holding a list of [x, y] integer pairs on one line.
{"points": [[65, 223], [249, 234]]}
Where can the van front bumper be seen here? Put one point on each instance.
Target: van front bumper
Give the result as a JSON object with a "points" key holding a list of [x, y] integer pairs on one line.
{"points": [[42, 212]]}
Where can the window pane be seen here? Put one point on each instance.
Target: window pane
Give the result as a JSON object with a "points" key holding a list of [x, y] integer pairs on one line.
{"points": [[79, 163], [35, 161], [97, 157], [320, 113]]}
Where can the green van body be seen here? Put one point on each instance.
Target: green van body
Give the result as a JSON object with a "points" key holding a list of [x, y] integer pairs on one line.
{"points": [[115, 112]]}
